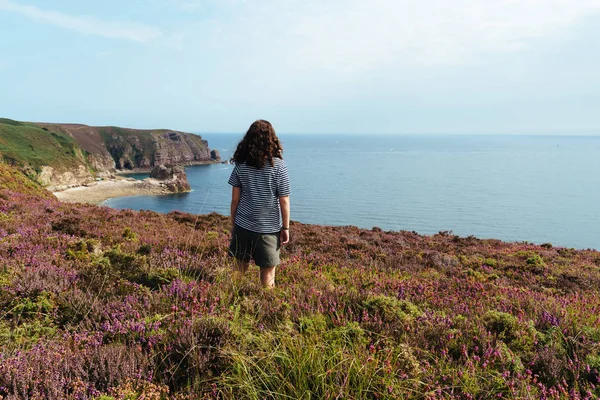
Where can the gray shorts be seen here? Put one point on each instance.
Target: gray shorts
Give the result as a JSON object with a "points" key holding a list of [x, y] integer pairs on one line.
{"points": [[262, 247]]}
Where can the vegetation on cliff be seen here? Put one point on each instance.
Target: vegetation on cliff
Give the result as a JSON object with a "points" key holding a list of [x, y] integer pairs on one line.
{"points": [[101, 303], [30, 147], [78, 153], [127, 149], [145, 149], [13, 179]]}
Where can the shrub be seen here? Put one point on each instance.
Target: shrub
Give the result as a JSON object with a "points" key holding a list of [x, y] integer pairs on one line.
{"points": [[490, 262], [144, 249], [392, 309], [312, 324], [129, 235], [124, 265], [194, 354], [350, 335], [158, 277], [42, 304], [519, 337], [535, 260], [25, 333], [69, 226], [83, 249]]}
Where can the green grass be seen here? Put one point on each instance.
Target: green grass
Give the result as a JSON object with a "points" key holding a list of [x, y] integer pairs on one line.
{"points": [[14, 180], [331, 364], [10, 122], [26, 145]]}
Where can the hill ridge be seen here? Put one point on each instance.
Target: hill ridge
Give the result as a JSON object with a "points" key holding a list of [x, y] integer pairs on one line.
{"points": [[70, 154]]}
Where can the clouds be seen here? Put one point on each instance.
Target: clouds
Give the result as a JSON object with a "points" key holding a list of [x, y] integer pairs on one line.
{"points": [[459, 65], [130, 31], [409, 65], [345, 36], [199, 5], [356, 35]]}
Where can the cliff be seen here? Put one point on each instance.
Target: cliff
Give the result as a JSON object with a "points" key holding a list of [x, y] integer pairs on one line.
{"points": [[117, 148], [62, 155]]}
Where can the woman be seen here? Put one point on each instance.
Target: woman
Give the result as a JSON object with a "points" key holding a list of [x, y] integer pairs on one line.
{"points": [[260, 202]]}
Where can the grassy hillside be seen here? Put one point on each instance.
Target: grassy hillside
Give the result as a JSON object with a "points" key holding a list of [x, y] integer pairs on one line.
{"points": [[102, 303], [27, 145], [99, 150], [14, 180]]}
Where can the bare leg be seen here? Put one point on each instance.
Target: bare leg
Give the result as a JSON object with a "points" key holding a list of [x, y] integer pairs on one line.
{"points": [[239, 269], [267, 277]]}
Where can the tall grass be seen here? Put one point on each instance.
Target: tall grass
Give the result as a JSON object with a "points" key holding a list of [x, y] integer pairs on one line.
{"points": [[335, 364]]}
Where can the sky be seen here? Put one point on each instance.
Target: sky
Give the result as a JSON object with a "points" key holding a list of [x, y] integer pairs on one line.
{"points": [[308, 66]]}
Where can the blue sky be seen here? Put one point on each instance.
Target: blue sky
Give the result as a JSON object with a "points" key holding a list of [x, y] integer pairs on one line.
{"points": [[334, 66]]}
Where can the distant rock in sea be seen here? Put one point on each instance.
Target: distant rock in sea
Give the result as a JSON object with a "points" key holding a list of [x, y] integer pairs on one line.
{"points": [[173, 178]]}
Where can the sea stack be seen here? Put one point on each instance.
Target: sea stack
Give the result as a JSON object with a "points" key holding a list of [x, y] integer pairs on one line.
{"points": [[173, 178], [215, 155]]}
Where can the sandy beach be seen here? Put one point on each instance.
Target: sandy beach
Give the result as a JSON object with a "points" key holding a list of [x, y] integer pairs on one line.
{"points": [[98, 192]]}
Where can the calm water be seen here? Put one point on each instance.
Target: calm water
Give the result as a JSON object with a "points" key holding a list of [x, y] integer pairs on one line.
{"points": [[515, 188]]}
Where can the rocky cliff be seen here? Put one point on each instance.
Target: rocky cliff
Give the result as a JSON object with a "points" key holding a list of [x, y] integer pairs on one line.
{"points": [[63, 155], [114, 148]]}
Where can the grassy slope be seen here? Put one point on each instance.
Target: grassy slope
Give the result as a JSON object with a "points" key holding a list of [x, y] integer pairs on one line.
{"points": [[27, 145], [31, 146], [96, 301], [14, 180]]}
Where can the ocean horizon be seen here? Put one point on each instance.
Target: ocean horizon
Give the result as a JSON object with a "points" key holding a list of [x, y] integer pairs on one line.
{"points": [[533, 188]]}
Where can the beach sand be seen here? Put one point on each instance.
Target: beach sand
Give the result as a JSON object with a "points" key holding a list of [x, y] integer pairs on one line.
{"points": [[98, 192]]}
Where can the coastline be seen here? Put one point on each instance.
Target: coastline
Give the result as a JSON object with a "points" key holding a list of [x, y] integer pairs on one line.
{"points": [[118, 186], [99, 192], [122, 172]]}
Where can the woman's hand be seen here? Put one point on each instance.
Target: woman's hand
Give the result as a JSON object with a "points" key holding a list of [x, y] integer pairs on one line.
{"points": [[284, 235], [236, 193]]}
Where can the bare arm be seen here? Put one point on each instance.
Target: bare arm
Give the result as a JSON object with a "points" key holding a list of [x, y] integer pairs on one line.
{"points": [[284, 203], [236, 192]]}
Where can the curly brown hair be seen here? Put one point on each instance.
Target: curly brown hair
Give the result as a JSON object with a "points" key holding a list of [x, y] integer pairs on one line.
{"points": [[259, 146]]}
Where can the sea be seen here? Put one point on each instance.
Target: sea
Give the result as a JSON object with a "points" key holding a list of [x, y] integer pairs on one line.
{"points": [[517, 188]]}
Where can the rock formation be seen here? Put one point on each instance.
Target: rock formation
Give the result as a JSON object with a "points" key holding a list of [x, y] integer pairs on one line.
{"points": [[60, 156], [112, 148], [173, 178], [161, 173], [55, 180]]}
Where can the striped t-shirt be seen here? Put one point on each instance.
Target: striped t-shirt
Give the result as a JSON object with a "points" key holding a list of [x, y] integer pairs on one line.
{"points": [[259, 210]]}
